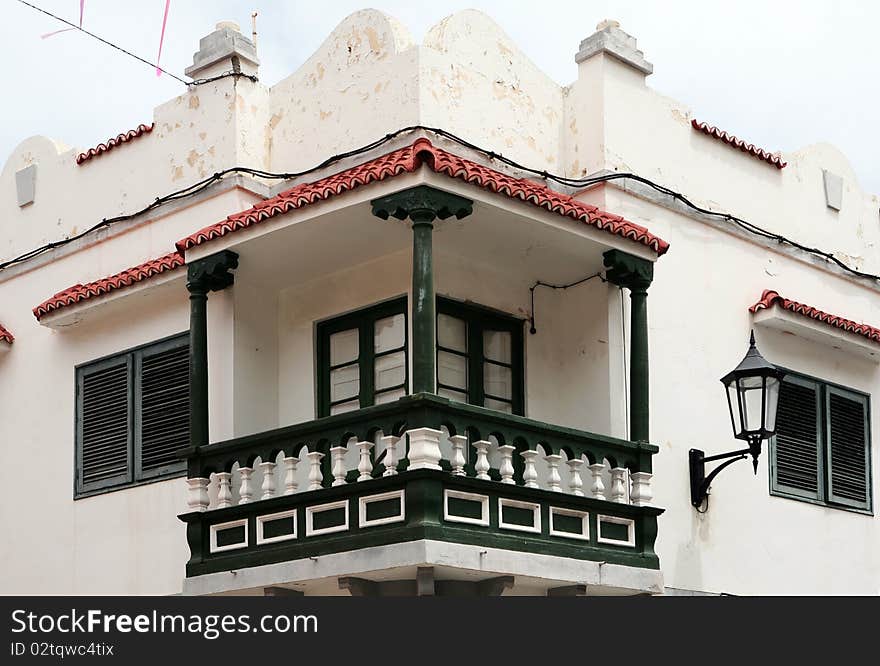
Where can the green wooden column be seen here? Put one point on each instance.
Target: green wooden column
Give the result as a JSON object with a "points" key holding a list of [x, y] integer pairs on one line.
{"points": [[422, 205], [424, 331], [203, 276], [635, 274]]}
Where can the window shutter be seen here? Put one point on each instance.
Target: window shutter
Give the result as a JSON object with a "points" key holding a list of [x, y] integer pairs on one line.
{"points": [[847, 417], [104, 424], [796, 449], [163, 417]]}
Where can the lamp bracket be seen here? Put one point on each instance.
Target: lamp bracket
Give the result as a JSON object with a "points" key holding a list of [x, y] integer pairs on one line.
{"points": [[699, 481]]}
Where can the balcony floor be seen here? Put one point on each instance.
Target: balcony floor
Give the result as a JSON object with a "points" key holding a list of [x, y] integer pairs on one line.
{"points": [[534, 574]]}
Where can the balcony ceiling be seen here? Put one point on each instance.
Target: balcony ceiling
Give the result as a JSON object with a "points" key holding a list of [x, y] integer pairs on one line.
{"points": [[502, 235]]}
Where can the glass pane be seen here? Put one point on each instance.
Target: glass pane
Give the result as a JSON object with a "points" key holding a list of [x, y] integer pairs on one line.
{"points": [[497, 380], [390, 396], [452, 370], [389, 333], [390, 370], [498, 405], [344, 347], [451, 333], [733, 398], [344, 383], [345, 407], [496, 345], [452, 395]]}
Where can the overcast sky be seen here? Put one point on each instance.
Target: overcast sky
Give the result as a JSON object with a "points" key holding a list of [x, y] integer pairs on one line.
{"points": [[780, 74]]}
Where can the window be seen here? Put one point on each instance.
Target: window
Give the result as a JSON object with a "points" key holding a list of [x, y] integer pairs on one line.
{"points": [[822, 449], [132, 416], [479, 356], [362, 358]]}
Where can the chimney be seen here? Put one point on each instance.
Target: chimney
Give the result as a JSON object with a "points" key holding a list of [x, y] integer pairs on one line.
{"points": [[224, 50], [610, 39]]}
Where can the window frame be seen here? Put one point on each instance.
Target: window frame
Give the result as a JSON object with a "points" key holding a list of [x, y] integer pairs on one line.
{"points": [[134, 476], [823, 427], [485, 319], [362, 319]]}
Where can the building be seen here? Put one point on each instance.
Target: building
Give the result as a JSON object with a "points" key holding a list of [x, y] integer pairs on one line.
{"points": [[296, 375]]}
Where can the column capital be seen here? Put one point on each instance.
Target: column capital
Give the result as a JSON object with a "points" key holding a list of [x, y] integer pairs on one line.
{"points": [[627, 270], [212, 273], [422, 204]]}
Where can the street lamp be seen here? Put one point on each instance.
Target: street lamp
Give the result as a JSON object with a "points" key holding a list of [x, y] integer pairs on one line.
{"points": [[752, 390]]}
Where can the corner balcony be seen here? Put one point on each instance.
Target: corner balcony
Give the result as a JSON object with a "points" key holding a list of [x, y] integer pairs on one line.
{"points": [[482, 499], [394, 314]]}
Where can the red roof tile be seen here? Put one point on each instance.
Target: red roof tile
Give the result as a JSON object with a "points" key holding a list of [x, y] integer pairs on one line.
{"points": [[409, 160], [125, 137], [731, 140], [770, 298], [80, 292], [6, 336]]}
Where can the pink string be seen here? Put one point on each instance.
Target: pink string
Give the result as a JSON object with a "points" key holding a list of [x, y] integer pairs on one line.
{"points": [[162, 38], [49, 34], [82, 5]]}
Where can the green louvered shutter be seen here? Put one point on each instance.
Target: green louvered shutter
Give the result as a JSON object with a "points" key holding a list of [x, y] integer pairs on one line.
{"points": [[104, 412], [847, 450], [797, 447], [162, 399]]}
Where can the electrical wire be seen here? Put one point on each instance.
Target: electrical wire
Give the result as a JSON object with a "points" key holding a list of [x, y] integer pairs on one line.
{"points": [[563, 287], [211, 79], [562, 180], [102, 40]]}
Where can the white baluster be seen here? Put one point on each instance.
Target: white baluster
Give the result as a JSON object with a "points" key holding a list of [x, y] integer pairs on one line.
{"points": [[554, 481], [337, 456], [458, 460], [482, 465], [597, 489], [245, 490], [316, 476], [224, 493], [618, 485], [268, 470], [290, 484], [197, 498], [390, 442], [506, 467], [424, 448], [530, 472], [576, 482], [365, 465], [641, 494]]}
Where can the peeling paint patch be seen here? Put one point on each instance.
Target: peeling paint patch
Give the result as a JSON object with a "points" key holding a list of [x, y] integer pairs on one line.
{"points": [[194, 102]]}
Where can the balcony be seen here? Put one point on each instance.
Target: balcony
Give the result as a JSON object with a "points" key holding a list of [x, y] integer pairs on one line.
{"points": [[423, 284], [421, 468]]}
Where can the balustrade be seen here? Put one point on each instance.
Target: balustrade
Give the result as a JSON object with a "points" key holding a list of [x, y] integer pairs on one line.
{"points": [[379, 441]]}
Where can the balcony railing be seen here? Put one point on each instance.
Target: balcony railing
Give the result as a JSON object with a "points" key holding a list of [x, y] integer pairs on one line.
{"points": [[419, 468]]}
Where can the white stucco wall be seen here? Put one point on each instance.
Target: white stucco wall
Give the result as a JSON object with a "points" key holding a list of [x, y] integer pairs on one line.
{"points": [[368, 78]]}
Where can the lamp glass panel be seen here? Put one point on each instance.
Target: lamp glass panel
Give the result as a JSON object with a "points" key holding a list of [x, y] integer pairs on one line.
{"points": [[752, 400], [733, 401]]}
